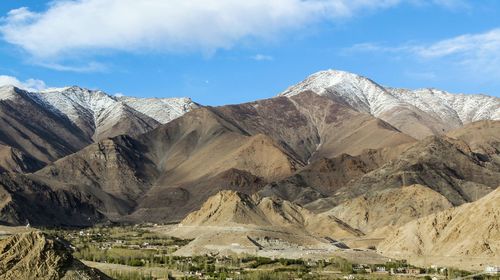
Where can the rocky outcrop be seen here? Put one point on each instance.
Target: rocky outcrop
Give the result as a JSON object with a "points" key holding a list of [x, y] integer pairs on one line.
{"points": [[470, 230], [391, 207], [35, 255], [14, 160], [229, 208]]}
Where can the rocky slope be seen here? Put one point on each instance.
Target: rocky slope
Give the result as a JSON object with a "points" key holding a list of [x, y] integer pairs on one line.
{"points": [[13, 160], [451, 233], [35, 255], [392, 207], [229, 208], [483, 138], [444, 164], [24, 200], [233, 223], [418, 113], [324, 177], [312, 126]]}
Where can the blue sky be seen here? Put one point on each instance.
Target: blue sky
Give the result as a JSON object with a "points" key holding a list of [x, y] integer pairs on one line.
{"points": [[224, 51]]}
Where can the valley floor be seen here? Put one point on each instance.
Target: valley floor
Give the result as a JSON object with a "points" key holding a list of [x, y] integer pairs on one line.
{"points": [[133, 252]]}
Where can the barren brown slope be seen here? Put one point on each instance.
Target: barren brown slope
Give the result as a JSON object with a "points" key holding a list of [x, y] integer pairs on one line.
{"points": [[173, 204], [446, 165], [470, 230], [483, 138], [200, 156], [477, 133], [313, 126], [23, 201], [115, 173], [35, 255], [234, 223], [229, 208], [322, 178], [166, 170], [443, 164], [13, 160], [392, 207], [29, 126]]}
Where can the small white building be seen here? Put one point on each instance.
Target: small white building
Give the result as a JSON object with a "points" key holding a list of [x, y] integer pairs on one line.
{"points": [[492, 269]]}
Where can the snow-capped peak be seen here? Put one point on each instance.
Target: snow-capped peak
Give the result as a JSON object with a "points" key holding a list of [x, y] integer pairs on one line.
{"points": [[7, 92], [321, 81], [101, 115], [437, 109], [357, 91], [72, 100], [162, 110]]}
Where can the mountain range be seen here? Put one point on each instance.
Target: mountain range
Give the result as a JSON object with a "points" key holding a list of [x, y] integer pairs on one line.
{"points": [[336, 155], [418, 113], [53, 123]]}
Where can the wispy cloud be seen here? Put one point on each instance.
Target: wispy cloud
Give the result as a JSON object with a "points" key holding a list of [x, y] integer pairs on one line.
{"points": [[468, 46], [473, 52], [29, 84], [262, 57], [89, 67]]}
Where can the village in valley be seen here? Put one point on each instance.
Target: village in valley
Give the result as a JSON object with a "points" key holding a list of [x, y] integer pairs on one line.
{"points": [[135, 252]]}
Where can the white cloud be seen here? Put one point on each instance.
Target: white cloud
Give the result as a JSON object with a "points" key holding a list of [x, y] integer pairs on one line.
{"points": [[262, 57], [89, 67], [478, 53], [469, 46], [67, 26], [29, 84]]}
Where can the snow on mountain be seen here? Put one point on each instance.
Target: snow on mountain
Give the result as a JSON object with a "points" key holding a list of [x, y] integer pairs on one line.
{"points": [[83, 107], [101, 115], [7, 92], [162, 110], [465, 108], [429, 111]]}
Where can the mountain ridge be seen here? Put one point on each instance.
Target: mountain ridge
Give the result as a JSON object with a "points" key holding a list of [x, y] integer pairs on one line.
{"points": [[418, 113]]}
